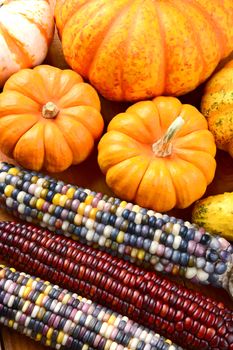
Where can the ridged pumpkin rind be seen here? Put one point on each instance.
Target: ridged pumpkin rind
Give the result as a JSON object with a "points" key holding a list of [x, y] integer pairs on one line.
{"points": [[137, 49]]}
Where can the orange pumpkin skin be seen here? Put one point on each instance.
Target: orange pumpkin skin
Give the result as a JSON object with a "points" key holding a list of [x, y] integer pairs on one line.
{"points": [[49, 118], [137, 171], [26, 31], [138, 49]]}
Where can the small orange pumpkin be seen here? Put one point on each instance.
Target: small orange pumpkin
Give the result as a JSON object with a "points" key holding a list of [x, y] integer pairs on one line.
{"points": [[49, 118], [26, 31], [159, 154]]}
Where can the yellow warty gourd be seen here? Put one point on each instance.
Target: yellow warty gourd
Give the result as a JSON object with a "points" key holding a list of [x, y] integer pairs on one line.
{"points": [[215, 214]]}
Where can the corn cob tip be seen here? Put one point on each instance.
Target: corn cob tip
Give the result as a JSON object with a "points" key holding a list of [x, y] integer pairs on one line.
{"points": [[230, 283], [227, 278]]}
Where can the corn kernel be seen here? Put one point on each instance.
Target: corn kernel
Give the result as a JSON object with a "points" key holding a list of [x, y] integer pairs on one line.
{"points": [[70, 193], [8, 190], [13, 171], [56, 199]]}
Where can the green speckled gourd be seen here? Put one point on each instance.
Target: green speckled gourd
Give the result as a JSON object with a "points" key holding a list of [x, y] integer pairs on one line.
{"points": [[215, 214]]}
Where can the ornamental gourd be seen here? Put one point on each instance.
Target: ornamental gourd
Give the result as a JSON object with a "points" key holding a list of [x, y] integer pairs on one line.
{"points": [[137, 49], [26, 30], [215, 214], [49, 118], [159, 154], [217, 107]]}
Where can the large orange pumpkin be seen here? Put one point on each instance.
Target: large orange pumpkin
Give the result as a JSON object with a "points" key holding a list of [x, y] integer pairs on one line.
{"points": [[136, 49], [49, 118], [26, 30], [159, 154]]}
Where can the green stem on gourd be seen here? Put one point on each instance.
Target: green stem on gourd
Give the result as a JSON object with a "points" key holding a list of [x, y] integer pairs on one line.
{"points": [[163, 147], [50, 110]]}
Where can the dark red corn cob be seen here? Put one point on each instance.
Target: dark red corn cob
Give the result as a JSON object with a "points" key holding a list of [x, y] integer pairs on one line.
{"points": [[187, 317]]}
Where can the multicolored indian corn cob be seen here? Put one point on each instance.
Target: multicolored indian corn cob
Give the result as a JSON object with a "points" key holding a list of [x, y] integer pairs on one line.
{"points": [[151, 239], [185, 316], [63, 320]]}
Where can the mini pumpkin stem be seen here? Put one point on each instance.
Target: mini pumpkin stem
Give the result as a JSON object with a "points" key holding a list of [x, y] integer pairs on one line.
{"points": [[3, 2], [50, 110], [163, 147]]}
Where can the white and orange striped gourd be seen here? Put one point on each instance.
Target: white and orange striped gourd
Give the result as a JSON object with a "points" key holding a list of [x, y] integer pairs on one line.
{"points": [[26, 30]]}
